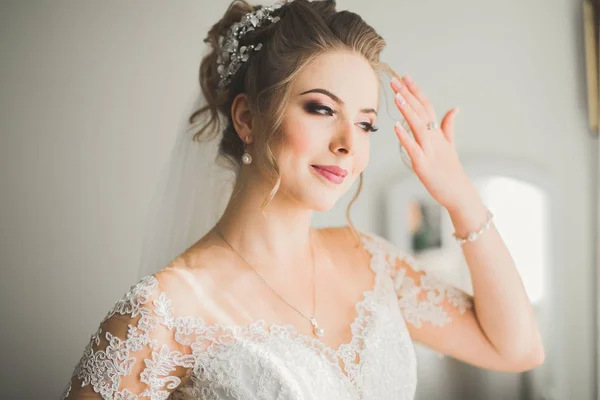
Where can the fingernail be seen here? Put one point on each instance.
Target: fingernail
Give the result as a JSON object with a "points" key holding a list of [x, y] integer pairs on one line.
{"points": [[407, 78], [400, 99], [396, 84]]}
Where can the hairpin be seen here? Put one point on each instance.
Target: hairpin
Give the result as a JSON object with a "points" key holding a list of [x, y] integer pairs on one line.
{"points": [[231, 56]]}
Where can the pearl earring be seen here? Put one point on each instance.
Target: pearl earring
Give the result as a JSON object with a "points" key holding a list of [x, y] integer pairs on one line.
{"points": [[246, 157]]}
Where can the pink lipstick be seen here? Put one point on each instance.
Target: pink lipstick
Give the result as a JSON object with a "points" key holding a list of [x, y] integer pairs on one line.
{"points": [[332, 173]]}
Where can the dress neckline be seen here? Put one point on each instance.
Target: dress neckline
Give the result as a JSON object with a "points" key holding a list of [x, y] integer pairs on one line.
{"points": [[346, 352]]}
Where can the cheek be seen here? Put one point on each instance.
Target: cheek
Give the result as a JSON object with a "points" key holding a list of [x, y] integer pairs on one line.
{"points": [[299, 144], [301, 139]]}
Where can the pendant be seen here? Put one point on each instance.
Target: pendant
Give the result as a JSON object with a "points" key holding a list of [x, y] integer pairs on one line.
{"points": [[320, 332]]}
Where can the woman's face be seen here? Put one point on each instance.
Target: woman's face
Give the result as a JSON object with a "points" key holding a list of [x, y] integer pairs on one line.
{"points": [[327, 125]]}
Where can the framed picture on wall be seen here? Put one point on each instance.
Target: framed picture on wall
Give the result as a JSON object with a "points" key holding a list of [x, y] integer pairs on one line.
{"points": [[590, 37]]}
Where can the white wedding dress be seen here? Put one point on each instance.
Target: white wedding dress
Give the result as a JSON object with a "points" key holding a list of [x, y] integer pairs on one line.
{"points": [[146, 348]]}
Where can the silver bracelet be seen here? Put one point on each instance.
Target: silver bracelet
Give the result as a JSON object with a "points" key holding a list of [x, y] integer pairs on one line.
{"points": [[472, 236]]}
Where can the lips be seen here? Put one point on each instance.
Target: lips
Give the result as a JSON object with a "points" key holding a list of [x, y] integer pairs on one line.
{"points": [[334, 169], [332, 173]]}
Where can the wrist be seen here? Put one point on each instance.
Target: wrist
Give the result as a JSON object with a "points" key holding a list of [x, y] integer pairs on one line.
{"points": [[468, 215], [469, 199]]}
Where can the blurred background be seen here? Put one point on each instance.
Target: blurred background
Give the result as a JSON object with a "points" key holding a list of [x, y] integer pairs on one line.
{"points": [[91, 94]]}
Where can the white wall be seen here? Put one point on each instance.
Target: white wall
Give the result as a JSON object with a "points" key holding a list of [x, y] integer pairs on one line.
{"points": [[91, 93]]}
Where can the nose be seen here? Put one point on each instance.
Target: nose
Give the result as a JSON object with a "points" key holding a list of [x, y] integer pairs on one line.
{"points": [[343, 141]]}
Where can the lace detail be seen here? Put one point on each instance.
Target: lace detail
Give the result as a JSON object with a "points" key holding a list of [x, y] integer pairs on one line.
{"points": [[144, 348], [104, 369], [416, 309], [422, 301]]}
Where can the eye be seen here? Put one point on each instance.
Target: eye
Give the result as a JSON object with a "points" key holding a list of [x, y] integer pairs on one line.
{"points": [[367, 127], [316, 108]]}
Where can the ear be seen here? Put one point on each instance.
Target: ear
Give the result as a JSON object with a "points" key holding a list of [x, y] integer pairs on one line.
{"points": [[242, 117]]}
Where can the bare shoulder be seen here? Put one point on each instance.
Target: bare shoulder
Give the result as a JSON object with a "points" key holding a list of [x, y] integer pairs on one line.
{"points": [[342, 235], [199, 277], [344, 241]]}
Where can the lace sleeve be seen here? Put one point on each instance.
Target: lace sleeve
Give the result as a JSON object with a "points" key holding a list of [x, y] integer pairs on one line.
{"points": [[137, 351], [422, 297]]}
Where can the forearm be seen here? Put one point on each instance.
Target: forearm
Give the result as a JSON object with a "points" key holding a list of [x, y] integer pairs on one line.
{"points": [[501, 304]]}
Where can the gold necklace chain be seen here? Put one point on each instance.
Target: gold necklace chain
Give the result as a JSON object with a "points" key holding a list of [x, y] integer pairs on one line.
{"points": [[320, 332]]}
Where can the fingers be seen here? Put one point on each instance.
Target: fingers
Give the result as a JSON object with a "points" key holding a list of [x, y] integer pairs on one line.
{"points": [[414, 106], [412, 117], [448, 124], [415, 97], [411, 146], [415, 90]]}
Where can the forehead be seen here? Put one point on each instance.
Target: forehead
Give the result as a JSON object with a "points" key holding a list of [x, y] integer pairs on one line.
{"points": [[347, 75]]}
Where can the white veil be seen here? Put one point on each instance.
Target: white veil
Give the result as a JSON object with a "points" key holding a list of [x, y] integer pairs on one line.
{"points": [[190, 197]]}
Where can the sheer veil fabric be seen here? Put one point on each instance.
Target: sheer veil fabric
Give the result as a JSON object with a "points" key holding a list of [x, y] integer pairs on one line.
{"points": [[190, 197]]}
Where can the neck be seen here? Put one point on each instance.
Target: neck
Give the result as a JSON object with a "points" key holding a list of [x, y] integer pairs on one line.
{"points": [[276, 237]]}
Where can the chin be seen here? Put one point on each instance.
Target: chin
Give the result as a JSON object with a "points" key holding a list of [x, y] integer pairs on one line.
{"points": [[320, 201], [317, 196], [322, 206], [325, 198]]}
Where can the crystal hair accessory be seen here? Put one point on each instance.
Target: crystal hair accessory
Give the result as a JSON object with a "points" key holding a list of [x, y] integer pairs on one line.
{"points": [[232, 56]]}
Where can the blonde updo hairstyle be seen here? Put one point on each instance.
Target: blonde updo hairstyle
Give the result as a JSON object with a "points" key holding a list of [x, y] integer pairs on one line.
{"points": [[306, 30]]}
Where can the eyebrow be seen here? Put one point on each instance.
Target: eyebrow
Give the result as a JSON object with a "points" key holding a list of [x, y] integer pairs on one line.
{"points": [[336, 99]]}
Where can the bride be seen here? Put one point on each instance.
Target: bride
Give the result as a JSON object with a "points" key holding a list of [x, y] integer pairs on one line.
{"points": [[264, 306]]}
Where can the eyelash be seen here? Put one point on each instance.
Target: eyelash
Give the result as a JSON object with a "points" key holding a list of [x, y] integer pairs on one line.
{"points": [[314, 109]]}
